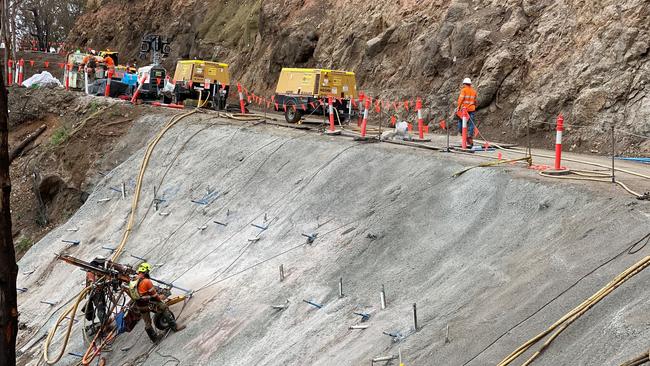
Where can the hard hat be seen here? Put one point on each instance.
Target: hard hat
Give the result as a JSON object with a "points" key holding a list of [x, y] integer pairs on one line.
{"points": [[467, 81], [144, 268]]}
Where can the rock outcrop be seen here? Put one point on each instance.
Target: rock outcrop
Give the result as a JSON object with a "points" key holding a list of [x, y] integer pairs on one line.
{"points": [[530, 59]]}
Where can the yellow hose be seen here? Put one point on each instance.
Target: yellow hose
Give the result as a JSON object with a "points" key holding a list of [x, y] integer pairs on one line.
{"points": [[574, 314], [118, 251], [576, 161]]}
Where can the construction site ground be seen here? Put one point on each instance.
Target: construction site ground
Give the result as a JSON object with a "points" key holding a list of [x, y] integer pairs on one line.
{"points": [[491, 257]]}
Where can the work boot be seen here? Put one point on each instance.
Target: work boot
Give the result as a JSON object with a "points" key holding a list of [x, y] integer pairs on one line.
{"points": [[153, 335]]}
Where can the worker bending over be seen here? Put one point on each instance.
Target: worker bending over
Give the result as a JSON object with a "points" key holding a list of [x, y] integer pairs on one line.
{"points": [[467, 99], [147, 300]]}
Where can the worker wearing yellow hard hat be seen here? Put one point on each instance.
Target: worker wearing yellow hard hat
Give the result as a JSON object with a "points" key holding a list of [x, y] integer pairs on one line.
{"points": [[147, 300]]}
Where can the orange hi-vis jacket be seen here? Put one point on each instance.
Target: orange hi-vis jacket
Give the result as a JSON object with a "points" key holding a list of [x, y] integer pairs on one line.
{"points": [[467, 98]]}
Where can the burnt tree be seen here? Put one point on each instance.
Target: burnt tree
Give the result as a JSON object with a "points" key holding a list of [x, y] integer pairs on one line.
{"points": [[8, 267]]}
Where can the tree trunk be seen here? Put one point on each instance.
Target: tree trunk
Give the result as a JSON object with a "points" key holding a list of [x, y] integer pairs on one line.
{"points": [[8, 267]]}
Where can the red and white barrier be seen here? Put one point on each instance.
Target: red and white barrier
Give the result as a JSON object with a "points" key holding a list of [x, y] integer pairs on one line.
{"points": [[21, 69], [109, 76], [361, 101], [364, 124], [558, 142], [418, 107], [242, 104], [10, 72], [137, 90], [330, 105], [66, 76], [465, 118]]}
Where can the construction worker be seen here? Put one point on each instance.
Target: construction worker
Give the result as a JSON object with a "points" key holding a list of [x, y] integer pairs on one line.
{"points": [[147, 300], [96, 304], [467, 99]]}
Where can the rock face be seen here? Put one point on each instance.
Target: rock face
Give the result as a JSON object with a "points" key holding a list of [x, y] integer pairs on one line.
{"points": [[530, 60]]}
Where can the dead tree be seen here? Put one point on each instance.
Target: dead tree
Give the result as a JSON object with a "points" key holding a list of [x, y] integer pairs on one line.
{"points": [[8, 267]]}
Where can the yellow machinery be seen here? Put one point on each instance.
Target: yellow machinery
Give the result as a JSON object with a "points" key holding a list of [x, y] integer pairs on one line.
{"points": [[192, 76], [300, 91]]}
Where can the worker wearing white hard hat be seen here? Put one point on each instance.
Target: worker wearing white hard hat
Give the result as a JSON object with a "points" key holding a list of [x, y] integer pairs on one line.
{"points": [[467, 100]]}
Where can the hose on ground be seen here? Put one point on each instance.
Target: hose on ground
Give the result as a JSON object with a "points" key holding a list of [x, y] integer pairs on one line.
{"points": [[594, 177], [247, 117], [119, 249], [559, 326], [492, 163], [638, 360]]}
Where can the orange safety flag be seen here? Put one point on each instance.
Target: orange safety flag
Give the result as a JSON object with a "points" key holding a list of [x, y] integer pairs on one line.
{"points": [[272, 98], [443, 124], [293, 106], [406, 105], [396, 106], [268, 104], [31, 63], [285, 107], [313, 105], [354, 104], [304, 107], [393, 120], [378, 106], [277, 106], [47, 63]]}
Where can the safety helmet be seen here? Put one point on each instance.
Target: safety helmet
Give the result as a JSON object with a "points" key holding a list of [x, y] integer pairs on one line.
{"points": [[144, 268], [467, 81]]}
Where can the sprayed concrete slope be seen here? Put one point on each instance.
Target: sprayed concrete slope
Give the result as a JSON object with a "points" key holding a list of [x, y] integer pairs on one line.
{"points": [[479, 253]]}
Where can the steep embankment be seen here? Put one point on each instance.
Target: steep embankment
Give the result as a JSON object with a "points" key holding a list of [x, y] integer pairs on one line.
{"points": [[530, 59], [478, 253]]}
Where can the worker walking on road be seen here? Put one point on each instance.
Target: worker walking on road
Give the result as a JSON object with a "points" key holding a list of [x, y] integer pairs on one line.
{"points": [[147, 300], [467, 99]]}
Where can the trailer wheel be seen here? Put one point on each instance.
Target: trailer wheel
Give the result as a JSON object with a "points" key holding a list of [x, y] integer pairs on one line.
{"points": [[292, 115], [177, 95]]}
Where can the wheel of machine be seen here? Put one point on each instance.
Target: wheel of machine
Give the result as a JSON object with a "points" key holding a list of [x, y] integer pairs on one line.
{"points": [[162, 322], [177, 95], [292, 115], [167, 99]]}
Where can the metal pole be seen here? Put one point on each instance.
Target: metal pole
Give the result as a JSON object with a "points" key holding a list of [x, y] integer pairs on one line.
{"points": [[382, 297], [529, 152], [448, 150], [281, 272], [340, 287], [613, 154], [415, 317], [381, 118]]}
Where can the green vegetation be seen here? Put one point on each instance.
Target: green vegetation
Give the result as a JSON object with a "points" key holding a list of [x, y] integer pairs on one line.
{"points": [[232, 23], [24, 244], [93, 106], [59, 136]]}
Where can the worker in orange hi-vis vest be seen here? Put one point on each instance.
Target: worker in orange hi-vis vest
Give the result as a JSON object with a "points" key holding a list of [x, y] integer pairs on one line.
{"points": [[467, 99]]}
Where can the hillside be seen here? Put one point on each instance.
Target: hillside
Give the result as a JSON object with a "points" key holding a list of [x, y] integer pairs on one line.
{"points": [[479, 254], [530, 60]]}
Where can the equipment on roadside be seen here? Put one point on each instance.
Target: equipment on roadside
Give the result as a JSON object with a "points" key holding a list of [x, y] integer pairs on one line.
{"points": [[152, 77], [112, 54], [74, 73], [206, 77], [304, 91]]}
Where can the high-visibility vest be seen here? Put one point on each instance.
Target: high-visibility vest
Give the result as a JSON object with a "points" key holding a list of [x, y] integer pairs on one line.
{"points": [[133, 289], [467, 99]]}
